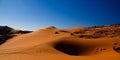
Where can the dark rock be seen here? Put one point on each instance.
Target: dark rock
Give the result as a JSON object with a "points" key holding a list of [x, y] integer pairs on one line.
{"points": [[5, 33], [5, 30]]}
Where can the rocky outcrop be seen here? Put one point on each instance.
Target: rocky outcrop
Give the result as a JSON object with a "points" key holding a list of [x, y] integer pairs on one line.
{"points": [[8, 32], [99, 31]]}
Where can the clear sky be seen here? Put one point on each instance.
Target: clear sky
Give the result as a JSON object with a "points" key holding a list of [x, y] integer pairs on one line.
{"points": [[34, 14]]}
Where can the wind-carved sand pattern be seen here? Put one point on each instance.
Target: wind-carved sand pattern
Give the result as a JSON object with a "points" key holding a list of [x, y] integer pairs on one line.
{"points": [[52, 43]]}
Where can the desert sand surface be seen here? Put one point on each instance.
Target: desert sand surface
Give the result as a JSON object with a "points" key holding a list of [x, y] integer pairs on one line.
{"points": [[52, 43]]}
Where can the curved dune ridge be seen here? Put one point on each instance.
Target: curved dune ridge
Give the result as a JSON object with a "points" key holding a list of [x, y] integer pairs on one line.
{"points": [[52, 43]]}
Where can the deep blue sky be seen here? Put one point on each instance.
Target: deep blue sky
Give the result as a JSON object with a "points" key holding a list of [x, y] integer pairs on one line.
{"points": [[34, 14]]}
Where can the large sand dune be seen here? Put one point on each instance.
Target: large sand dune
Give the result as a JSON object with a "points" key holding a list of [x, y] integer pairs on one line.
{"points": [[59, 44]]}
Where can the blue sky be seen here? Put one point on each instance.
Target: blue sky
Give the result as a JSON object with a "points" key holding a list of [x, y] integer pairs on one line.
{"points": [[34, 14]]}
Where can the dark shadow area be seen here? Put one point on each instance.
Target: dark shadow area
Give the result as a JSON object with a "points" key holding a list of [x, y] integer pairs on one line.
{"points": [[68, 48], [117, 49], [73, 48], [56, 32]]}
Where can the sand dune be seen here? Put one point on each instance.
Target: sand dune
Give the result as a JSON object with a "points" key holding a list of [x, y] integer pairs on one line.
{"points": [[52, 43]]}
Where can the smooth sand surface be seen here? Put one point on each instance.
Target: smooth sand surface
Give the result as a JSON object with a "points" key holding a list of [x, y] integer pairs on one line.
{"points": [[55, 44]]}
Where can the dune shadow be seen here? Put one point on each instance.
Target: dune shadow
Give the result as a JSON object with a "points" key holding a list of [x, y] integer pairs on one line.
{"points": [[117, 49], [72, 48], [68, 48]]}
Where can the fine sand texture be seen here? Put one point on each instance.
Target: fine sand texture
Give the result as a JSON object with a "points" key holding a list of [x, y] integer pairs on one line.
{"points": [[52, 43]]}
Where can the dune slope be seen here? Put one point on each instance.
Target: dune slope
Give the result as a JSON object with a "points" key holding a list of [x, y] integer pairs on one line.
{"points": [[59, 44]]}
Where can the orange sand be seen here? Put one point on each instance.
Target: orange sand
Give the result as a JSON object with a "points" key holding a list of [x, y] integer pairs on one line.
{"points": [[45, 44]]}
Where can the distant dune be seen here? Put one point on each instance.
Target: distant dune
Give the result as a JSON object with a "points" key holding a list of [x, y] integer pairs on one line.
{"points": [[51, 43]]}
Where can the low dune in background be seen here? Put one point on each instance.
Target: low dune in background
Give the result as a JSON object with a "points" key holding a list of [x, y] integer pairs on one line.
{"points": [[51, 43]]}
